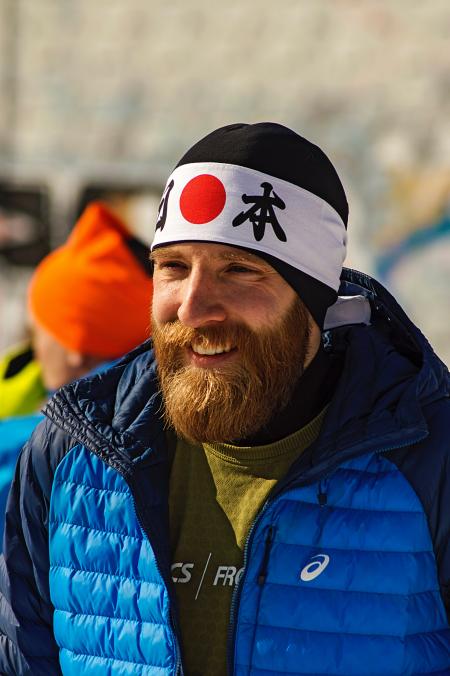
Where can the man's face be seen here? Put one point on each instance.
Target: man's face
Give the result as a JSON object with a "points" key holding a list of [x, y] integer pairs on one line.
{"points": [[231, 339]]}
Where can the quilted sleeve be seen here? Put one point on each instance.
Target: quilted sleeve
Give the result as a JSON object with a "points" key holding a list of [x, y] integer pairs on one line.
{"points": [[443, 533], [27, 644], [427, 468], [432, 483]]}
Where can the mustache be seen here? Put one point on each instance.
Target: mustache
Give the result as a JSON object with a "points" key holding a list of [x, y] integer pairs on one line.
{"points": [[176, 335]]}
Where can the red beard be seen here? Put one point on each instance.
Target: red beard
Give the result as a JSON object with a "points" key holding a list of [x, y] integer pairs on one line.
{"points": [[235, 400]]}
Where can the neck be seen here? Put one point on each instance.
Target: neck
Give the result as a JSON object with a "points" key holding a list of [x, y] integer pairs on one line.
{"points": [[312, 393]]}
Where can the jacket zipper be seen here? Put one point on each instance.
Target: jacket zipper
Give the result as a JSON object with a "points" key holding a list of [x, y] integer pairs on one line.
{"points": [[321, 479], [267, 547], [178, 664], [235, 597]]}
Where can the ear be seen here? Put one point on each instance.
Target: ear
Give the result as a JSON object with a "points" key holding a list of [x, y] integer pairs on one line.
{"points": [[75, 359]]}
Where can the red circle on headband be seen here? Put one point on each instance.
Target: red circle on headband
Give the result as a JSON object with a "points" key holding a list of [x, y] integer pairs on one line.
{"points": [[202, 199]]}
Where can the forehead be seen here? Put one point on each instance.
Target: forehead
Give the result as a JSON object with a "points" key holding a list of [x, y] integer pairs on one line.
{"points": [[210, 251]]}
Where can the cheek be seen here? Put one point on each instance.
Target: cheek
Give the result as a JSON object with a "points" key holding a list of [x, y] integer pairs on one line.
{"points": [[54, 357], [259, 311], [165, 303]]}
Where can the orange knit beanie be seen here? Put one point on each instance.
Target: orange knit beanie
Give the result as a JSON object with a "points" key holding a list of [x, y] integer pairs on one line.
{"points": [[92, 294]]}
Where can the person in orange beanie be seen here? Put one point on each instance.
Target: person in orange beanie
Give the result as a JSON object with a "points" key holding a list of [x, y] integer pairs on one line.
{"points": [[89, 300], [89, 304]]}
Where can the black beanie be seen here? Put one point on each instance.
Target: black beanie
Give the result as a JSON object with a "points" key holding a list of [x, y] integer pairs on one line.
{"points": [[297, 222]]}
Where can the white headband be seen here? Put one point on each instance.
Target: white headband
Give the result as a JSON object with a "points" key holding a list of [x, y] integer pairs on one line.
{"points": [[229, 204]]}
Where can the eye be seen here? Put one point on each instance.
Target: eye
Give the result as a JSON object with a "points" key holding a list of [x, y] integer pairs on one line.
{"points": [[242, 269], [170, 265]]}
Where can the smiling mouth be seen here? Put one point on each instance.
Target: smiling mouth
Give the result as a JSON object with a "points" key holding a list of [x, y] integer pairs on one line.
{"points": [[210, 351]]}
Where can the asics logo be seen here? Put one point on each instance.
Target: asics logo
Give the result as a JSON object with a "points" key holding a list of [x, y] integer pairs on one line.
{"points": [[315, 567]]}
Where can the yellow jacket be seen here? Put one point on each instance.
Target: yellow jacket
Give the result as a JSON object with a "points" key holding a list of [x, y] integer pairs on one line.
{"points": [[21, 388]]}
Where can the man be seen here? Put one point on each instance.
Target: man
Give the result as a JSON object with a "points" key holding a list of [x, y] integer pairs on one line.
{"points": [[74, 293], [271, 493]]}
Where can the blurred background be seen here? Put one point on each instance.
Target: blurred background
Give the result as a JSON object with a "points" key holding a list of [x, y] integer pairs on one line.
{"points": [[100, 99]]}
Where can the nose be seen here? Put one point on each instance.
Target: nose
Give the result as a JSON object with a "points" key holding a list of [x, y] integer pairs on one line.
{"points": [[201, 303]]}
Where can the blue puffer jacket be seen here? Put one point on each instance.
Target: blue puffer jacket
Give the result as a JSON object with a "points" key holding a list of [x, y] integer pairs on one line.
{"points": [[347, 567]]}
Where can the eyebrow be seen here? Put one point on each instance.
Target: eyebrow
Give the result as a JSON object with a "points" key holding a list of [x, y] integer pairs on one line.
{"points": [[239, 255]]}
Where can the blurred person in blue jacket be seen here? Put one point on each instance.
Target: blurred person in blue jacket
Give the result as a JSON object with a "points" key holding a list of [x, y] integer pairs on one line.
{"points": [[101, 271], [264, 488]]}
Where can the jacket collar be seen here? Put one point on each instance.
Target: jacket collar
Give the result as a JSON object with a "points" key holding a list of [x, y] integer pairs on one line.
{"points": [[390, 374]]}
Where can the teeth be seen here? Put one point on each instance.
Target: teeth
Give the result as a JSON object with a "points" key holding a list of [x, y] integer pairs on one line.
{"points": [[211, 350]]}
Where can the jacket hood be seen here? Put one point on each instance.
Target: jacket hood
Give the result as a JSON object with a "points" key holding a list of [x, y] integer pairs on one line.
{"points": [[390, 375]]}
